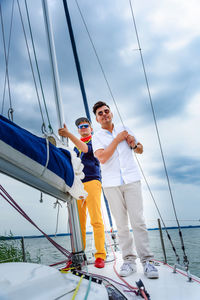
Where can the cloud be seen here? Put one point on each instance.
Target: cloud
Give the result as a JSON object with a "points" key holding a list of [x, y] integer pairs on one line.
{"points": [[169, 37], [180, 170]]}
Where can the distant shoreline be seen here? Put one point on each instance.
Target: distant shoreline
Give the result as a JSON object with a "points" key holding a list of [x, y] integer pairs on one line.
{"points": [[90, 232]]}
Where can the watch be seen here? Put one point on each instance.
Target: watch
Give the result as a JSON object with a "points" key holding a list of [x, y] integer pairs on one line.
{"points": [[135, 147]]}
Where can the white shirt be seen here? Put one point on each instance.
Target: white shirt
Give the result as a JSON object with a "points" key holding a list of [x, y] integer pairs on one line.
{"points": [[121, 167]]}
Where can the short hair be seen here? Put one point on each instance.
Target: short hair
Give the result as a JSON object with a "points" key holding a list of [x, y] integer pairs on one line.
{"points": [[99, 104], [82, 119]]}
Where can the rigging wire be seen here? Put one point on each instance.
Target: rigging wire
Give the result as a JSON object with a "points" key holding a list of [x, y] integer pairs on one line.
{"points": [[157, 131], [152, 196], [11, 201], [37, 66], [100, 64], [57, 203], [31, 65], [113, 98], [116, 106], [10, 111], [108, 86]]}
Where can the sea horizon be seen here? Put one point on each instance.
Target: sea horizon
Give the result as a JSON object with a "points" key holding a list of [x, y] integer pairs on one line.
{"points": [[91, 232]]}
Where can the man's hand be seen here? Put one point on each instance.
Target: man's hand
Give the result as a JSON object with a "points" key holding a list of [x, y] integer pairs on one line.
{"points": [[122, 136], [104, 154], [64, 131], [131, 141]]}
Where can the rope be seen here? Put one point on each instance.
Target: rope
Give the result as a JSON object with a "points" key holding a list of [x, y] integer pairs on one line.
{"points": [[66, 270], [8, 52], [157, 131], [106, 278], [132, 288], [10, 113], [36, 62], [11, 201], [47, 160], [58, 263], [88, 289], [77, 288], [6, 61], [31, 65]]}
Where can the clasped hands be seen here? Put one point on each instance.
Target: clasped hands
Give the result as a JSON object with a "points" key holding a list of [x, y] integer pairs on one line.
{"points": [[124, 135]]}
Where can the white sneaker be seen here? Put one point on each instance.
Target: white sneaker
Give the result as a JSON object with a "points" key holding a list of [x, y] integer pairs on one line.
{"points": [[150, 270], [127, 268]]}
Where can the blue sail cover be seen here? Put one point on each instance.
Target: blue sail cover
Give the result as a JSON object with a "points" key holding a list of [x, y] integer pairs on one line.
{"points": [[36, 148]]}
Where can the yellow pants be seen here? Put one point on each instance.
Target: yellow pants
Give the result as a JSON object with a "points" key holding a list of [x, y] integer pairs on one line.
{"points": [[93, 203]]}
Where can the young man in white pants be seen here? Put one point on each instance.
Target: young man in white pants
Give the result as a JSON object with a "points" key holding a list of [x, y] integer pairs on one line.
{"points": [[113, 145]]}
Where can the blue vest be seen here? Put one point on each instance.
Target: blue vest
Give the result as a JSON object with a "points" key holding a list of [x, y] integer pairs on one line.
{"points": [[91, 164]]}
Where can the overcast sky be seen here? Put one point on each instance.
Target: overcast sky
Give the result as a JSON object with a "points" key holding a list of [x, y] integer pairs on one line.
{"points": [[169, 33]]}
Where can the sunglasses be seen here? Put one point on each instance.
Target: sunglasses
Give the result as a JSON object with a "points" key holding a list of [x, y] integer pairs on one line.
{"points": [[83, 126], [106, 111]]}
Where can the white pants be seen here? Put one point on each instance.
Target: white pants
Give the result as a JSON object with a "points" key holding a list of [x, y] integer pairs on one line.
{"points": [[126, 200]]}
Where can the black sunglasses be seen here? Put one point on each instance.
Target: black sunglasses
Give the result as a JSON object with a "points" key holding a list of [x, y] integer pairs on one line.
{"points": [[106, 111]]}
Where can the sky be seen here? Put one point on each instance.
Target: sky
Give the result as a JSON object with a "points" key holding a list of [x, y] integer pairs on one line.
{"points": [[169, 34]]}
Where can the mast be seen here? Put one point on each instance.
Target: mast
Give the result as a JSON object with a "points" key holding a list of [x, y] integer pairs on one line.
{"points": [[80, 77], [78, 68], [53, 62], [76, 238]]}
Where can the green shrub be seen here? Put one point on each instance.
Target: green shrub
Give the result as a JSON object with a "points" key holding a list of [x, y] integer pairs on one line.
{"points": [[11, 251]]}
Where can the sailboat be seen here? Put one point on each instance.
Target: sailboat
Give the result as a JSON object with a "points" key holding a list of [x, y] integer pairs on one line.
{"points": [[43, 282]]}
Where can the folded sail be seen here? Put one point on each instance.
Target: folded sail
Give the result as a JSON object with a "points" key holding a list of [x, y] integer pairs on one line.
{"points": [[23, 150]]}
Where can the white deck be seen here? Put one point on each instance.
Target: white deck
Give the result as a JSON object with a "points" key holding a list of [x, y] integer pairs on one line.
{"points": [[26, 281], [169, 285], [38, 282]]}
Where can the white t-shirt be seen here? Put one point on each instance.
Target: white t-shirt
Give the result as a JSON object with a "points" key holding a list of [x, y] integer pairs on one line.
{"points": [[121, 167]]}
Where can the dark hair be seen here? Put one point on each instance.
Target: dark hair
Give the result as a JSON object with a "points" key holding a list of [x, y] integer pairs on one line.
{"points": [[82, 119], [99, 104]]}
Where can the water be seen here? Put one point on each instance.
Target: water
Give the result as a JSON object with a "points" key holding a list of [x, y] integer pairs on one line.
{"points": [[40, 247]]}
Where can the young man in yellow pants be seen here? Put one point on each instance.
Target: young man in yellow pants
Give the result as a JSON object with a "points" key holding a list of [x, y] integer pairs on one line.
{"points": [[92, 185]]}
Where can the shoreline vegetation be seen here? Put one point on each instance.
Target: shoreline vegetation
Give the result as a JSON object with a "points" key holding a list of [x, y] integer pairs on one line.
{"points": [[13, 250]]}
